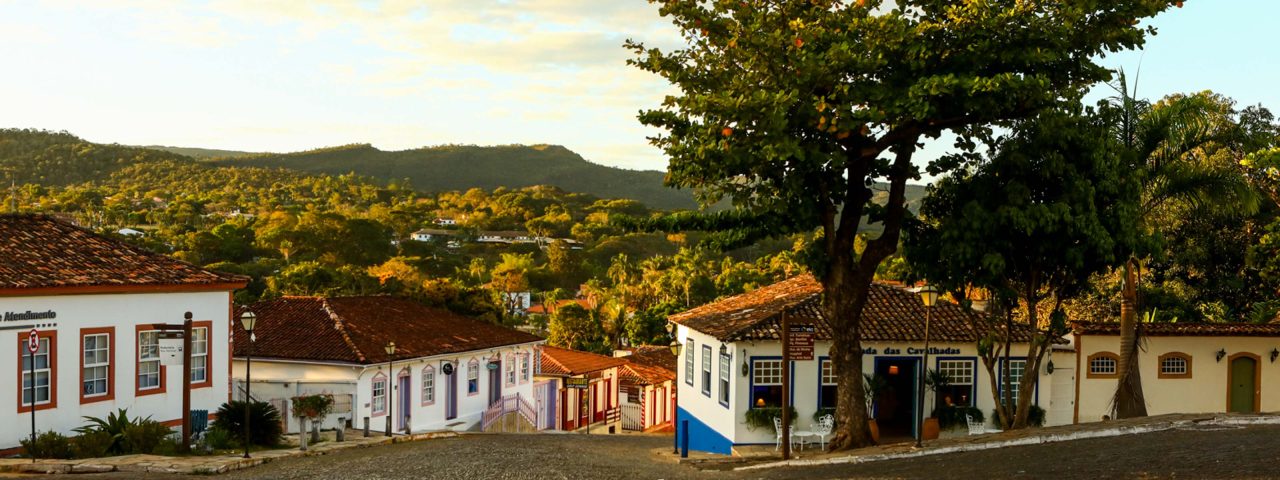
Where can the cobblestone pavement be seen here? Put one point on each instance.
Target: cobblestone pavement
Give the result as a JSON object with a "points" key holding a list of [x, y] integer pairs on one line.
{"points": [[1191, 452]]}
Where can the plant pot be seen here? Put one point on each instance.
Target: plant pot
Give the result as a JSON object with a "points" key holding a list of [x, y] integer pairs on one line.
{"points": [[930, 429], [875, 430]]}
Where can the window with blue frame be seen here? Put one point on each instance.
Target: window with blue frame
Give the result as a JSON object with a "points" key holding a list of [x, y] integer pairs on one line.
{"points": [[706, 370], [724, 379], [688, 361], [827, 386], [1016, 369], [960, 375], [473, 378], [766, 383]]}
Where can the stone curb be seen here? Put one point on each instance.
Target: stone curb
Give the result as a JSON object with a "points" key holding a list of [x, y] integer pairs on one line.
{"points": [[185, 465], [1028, 440]]}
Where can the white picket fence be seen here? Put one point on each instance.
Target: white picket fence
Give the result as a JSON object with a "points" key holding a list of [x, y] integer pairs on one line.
{"points": [[631, 417]]}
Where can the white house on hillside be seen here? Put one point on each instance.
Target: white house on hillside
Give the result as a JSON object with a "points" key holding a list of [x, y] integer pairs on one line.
{"points": [[446, 370], [731, 363]]}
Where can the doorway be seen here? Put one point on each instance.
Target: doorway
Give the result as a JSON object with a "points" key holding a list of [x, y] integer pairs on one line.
{"points": [[1243, 383], [895, 405], [451, 393], [495, 381], [403, 397]]}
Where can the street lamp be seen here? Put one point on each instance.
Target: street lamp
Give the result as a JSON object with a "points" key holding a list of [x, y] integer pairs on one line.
{"points": [[675, 388], [929, 296], [248, 320], [391, 359]]}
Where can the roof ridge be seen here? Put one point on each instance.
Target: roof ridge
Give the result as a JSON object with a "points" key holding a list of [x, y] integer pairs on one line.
{"points": [[338, 325]]}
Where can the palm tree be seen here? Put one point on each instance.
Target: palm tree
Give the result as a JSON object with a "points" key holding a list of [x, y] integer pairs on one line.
{"points": [[1168, 145]]}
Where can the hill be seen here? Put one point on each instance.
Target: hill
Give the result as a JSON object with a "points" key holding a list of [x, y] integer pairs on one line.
{"points": [[199, 152], [461, 167]]}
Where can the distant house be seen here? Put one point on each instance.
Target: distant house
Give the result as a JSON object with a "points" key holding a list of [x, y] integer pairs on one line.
{"points": [[516, 303], [449, 370], [429, 234], [506, 236], [446, 222], [584, 387], [648, 388]]}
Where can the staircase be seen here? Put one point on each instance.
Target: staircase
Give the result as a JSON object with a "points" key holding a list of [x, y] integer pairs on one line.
{"points": [[510, 414]]}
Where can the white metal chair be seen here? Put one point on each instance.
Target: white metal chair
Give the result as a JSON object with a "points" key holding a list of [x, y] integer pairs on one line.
{"points": [[978, 428], [825, 425], [777, 431]]}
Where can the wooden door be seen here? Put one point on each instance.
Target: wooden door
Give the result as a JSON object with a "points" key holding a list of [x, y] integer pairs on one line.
{"points": [[1243, 384]]}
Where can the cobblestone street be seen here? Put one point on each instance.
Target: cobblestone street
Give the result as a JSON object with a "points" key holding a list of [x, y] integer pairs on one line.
{"points": [[1223, 452]]}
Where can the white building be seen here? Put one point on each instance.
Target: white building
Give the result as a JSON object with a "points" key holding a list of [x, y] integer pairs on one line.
{"points": [[448, 369], [429, 234], [648, 388], [97, 305], [1185, 368], [731, 362]]}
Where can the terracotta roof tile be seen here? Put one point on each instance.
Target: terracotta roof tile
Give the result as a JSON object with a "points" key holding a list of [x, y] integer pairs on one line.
{"points": [[562, 361], [1182, 329], [649, 366], [891, 314], [39, 251], [356, 330]]}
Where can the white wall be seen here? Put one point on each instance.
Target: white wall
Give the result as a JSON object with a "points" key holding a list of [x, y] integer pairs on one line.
{"points": [[277, 382], [731, 421], [1204, 392], [432, 417], [123, 312]]}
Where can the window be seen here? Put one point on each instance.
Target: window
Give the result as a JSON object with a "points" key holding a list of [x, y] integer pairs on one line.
{"points": [[149, 371], [1175, 365], [199, 355], [688, 361], [827, 385], [511, 370], [1104, 365], [37, 384], [959, 391], [524, 368], [706, 370], [473, 378], [766, 383], [379, 396], [95, 377], [428, 385], [1016, 368], [724, 379]]}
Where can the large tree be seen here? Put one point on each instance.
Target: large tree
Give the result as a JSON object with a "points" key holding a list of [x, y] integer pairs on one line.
{"points": [[792, 109], [1030, 224]]}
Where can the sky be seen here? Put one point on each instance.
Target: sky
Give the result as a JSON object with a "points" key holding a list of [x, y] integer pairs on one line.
{"points": [[287, 75]]}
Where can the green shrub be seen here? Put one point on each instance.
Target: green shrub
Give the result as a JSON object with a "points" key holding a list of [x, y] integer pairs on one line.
{"points": [[762, 417], [312, 406], [953, 416], [218, 439], [91, 444], [1035, 416], [144, 436], [48, 445], [114, 426], [167, 446], [264, 422]]}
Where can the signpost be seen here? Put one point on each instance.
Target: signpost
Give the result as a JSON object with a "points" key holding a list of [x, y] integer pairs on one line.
{"points": [[573, 382], [171, 350], [33, 346], [175, 349], [800, 347], [786, 386]]}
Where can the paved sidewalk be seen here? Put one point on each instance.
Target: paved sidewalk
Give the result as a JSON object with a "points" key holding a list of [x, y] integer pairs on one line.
{"points": [[1030, 436], [202, 464]]}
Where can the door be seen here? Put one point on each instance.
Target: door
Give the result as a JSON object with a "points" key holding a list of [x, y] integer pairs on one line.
{"points": [[1243, 384], [495, 384], [403, 408], [896, 404], [1062, 397], [451, 396]]}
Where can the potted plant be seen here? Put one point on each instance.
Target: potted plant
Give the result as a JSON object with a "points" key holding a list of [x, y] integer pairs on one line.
{"points": [[936, 382], [873, 385]]}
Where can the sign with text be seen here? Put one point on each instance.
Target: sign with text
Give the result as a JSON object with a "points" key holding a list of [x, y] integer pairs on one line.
{"points": [[33, 342], [800, 342], [576, 382], [171, 348]]}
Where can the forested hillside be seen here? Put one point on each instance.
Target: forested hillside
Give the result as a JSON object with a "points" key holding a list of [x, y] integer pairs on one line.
{"points": [[459, 167]]}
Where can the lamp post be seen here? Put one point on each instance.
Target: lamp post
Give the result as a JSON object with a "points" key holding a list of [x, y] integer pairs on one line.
{"points": [[391, 359], [248, 320], [928, 295], [675, 389]]}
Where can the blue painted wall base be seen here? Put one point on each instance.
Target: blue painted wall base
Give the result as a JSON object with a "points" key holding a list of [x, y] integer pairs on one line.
{"points": [[701, 437]]}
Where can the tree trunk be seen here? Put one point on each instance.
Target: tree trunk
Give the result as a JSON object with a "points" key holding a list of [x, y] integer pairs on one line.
{"points": [[845, 297], [1129, 401]]}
